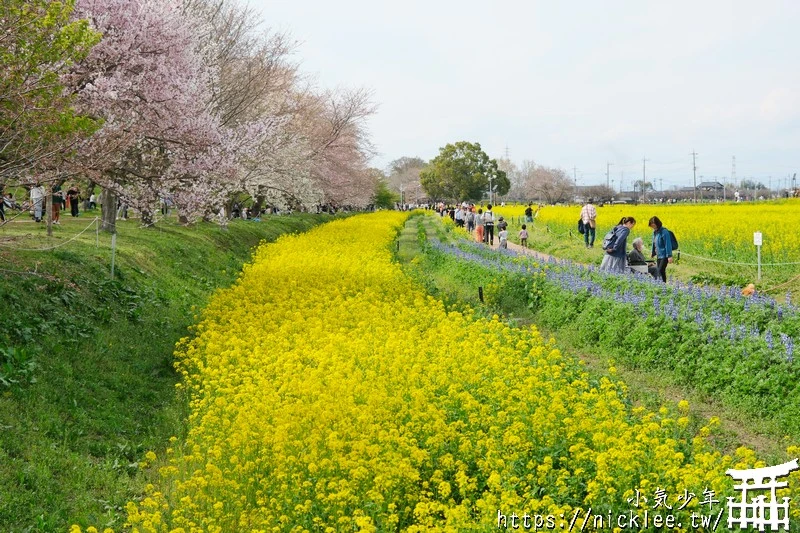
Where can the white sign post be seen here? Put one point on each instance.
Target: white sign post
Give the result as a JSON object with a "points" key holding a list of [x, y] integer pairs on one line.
{"points": [[757, 241]]}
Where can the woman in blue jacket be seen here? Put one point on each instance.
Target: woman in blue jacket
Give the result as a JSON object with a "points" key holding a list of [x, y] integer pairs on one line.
{"points": [[662, 248]]}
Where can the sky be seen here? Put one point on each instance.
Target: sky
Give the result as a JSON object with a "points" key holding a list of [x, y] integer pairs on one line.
{"points": [[576, 84]]}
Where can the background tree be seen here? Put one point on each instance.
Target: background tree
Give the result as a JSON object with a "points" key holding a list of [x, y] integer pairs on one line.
{"points": [[462, 171], [515, 178], [384, 197], [149, 85], [600, 193], [641, 188], [404, 176], [38, 123], [752, 185], [550, 185]]}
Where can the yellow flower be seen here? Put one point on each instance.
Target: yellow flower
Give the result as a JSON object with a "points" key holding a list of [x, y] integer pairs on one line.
{"points": [[328, 391]]}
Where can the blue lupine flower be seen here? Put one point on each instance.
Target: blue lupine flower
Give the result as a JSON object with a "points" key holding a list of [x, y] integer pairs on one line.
{"points": [[788, 344]]}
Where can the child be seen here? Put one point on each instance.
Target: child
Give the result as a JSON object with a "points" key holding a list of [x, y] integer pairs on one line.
{"points": [[503, 238], [523, 236]]}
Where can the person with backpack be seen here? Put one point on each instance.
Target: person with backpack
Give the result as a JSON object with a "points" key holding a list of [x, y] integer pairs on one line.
{"points": [[501, 224], [589, 218], [529, 213], [615, 260], [488, 226], [662, 248]]}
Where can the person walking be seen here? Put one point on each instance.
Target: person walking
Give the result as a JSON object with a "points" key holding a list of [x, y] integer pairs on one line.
{"points": [[73, 195], [458, 217], [523, 236], [589, 217], [503, 237], [488, 226], [470, 216], [529, 213], [479, 227], [37, 201], [615, 259], [58, 199], [662, 248]]}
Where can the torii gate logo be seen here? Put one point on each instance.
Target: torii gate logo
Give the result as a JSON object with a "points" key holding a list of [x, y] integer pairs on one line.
{"points": [[757, 512]]}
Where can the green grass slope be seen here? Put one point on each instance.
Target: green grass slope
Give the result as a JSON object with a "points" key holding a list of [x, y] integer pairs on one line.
{"points": [[86, 378]]}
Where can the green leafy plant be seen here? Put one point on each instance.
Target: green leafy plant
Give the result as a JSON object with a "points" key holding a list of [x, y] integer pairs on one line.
{"points": [[16, 366]]}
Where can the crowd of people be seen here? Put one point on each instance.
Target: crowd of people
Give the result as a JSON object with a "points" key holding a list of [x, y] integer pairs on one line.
{"points": [[484, 222], [616, 258], [485, 225]]}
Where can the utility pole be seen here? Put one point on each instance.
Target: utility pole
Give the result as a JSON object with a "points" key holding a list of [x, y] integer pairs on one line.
{"points": [[621, 178], [644, 176], [694, 171], [724, 188], [661, 184], [733, 171], [574, 182], [608, 177]]}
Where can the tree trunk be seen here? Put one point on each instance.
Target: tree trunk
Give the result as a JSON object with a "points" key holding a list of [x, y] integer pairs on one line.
{"points": [[256, 210], [108, 202], [147, 217], [87, 194], [48, 205]]}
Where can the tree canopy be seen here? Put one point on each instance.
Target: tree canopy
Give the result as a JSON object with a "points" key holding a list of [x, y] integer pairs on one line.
{"points": [[193, 100], [38, 45], [463, 171]]}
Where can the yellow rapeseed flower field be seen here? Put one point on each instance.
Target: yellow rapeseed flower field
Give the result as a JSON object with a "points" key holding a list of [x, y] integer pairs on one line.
{"points": [[721, 231], [328, 392]]}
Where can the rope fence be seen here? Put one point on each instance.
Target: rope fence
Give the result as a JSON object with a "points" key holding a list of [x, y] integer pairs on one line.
{"points": [[9, 245], [545, 228]]}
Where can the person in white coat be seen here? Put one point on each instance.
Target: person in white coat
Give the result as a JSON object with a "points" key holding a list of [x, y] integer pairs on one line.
{"points": [[37, 201]]}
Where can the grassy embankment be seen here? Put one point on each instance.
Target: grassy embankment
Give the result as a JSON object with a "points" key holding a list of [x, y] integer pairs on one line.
{"points": [[86, 377]]}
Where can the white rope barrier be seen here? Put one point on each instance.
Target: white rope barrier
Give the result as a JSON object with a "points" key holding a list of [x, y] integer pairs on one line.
{"points": [[736, 263], [7, 245]]}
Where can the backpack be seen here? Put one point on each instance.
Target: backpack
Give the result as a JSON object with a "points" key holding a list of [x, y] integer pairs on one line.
{"points": [[610, 240], [673, 239]]}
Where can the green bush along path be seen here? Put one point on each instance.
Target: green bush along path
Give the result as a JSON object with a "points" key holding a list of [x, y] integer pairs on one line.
{"points": [[86, 378]]}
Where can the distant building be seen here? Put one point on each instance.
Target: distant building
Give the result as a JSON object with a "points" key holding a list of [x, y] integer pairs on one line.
{"points": [[710, 186]]}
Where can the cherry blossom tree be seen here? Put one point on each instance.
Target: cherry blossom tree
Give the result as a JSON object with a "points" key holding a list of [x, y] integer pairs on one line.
{"points": [[38, 123], [196, 104], [149, 85]]}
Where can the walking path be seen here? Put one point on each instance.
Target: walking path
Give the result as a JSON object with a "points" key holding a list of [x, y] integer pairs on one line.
{"points": [[520, 250]]}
